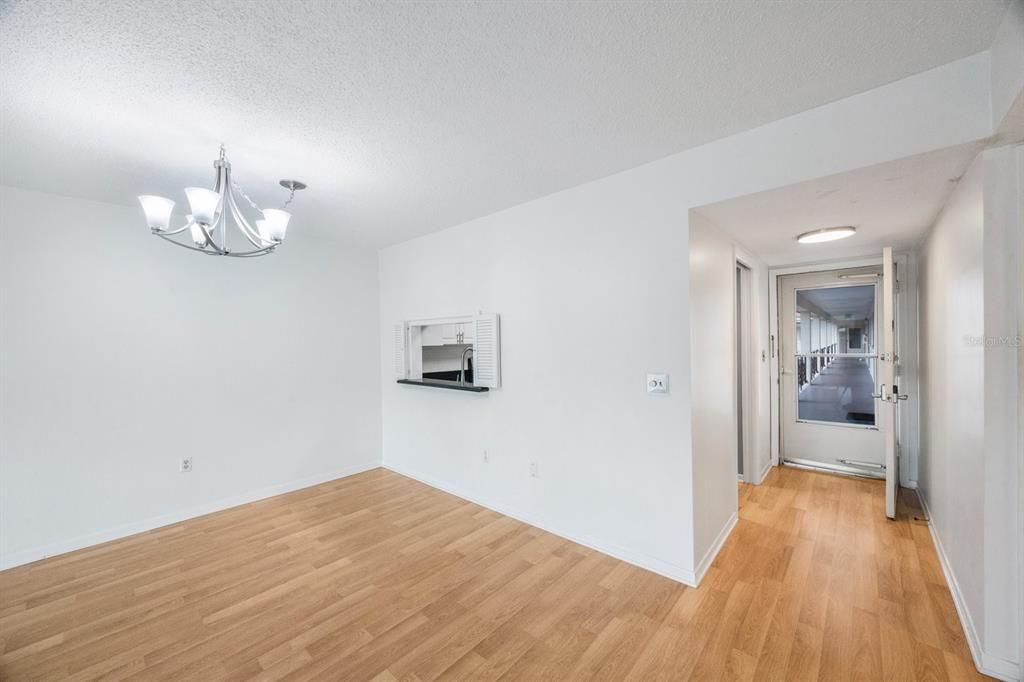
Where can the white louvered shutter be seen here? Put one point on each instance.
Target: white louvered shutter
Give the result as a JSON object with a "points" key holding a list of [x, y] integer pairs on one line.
{"points": [[486, 351], [400, 363]]}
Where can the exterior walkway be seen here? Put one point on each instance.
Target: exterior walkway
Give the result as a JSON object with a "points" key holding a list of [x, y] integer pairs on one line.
{"points": [[840, 393]]}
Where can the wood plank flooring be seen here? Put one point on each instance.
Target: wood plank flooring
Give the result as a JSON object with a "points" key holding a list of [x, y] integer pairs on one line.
{"points": [[377, 577]]}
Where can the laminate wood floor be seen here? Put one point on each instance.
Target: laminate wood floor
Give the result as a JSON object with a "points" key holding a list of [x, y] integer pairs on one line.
{"points": [[378, 577]]}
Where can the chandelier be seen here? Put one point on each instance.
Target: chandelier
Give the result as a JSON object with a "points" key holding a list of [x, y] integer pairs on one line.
{"points": [[207, 223]]}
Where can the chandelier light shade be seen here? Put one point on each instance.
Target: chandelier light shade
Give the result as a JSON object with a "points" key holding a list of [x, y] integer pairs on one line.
{"points": [[158, 211], [205, 204], [198, 236], [210, 210], [261, 228], [276, 222]]}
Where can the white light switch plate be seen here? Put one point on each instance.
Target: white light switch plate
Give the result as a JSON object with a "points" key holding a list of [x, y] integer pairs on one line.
{"points": [[657, 383]]}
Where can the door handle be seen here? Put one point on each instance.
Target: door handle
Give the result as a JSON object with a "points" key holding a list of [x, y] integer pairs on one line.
{"points": [[881, 394]]}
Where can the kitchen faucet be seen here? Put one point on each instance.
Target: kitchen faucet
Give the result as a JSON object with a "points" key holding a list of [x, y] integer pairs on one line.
{"points": [[462, 365]]}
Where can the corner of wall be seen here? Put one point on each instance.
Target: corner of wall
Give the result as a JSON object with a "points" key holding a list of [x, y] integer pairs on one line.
{"points": [[653, 564], [712, 318], [25, 556]]}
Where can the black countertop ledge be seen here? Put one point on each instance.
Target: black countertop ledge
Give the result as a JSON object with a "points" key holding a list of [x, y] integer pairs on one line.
{"points": [[442, 383]]}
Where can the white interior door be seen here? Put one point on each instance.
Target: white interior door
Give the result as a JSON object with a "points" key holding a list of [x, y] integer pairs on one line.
{"points": [[830, 330]]}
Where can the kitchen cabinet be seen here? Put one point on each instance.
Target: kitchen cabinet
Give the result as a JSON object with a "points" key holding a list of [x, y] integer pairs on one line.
{"points": [[460, 333], [433, 335], [457, 333]]}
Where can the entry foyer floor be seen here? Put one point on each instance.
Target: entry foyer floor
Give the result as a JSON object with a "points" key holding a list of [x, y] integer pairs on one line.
{"points": [[378, 577]]}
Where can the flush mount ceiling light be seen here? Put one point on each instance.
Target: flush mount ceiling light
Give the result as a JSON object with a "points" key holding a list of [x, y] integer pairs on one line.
{"points": [[827, 234], [207, 222]]}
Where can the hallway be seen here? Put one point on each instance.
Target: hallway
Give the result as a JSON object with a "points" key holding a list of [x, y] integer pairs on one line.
{"points": [[840, 393], [850, 595], [377, 576]]}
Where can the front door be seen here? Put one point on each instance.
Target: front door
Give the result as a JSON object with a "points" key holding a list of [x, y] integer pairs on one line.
{"points": [[889, 395], [831, 329]]}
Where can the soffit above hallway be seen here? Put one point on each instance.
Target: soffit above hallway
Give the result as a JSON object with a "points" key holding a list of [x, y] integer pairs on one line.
{"points": [[890, 204], [405, 118]]}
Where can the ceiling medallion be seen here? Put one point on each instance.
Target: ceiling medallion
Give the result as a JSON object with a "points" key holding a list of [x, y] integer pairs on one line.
{"points": [[207, 222]]}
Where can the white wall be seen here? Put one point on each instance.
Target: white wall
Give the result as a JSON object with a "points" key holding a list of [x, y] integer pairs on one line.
{"points": [[1020, 404], [593, 288], [120, 353], [951, 468], [969, 465], [581, 323], [713, 420], [1008, 64], [1004, 534]]}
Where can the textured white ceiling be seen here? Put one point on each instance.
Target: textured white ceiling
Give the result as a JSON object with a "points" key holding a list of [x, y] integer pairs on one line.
{"points": [[407, 117], [891, 204]]}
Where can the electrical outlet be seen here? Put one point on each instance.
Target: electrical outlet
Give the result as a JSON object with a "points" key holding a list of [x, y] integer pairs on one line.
{"points": [[185, 465], [533, 469]]}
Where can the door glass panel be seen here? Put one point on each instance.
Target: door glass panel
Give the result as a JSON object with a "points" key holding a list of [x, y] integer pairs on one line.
{"points": [[835, 362]]}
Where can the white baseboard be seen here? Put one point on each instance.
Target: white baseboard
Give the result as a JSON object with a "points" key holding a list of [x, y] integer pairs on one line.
{"points": [[652, 564], [993, 666], [716, 547], [26, 556]]}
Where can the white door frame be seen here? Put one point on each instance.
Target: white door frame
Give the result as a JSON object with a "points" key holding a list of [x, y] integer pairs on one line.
{"points": [[908, 310], [909, 426], [757, 409], [746, 352], [774, 337], [824, 443]]}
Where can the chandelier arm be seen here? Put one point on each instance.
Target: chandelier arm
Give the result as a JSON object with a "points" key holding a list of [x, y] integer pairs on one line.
{"points": [[240, 254], [243, 225], [222, 225], [185, 246], [178, 231], [222, 219], [252, 254], [223, 172], [209, 236]]}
